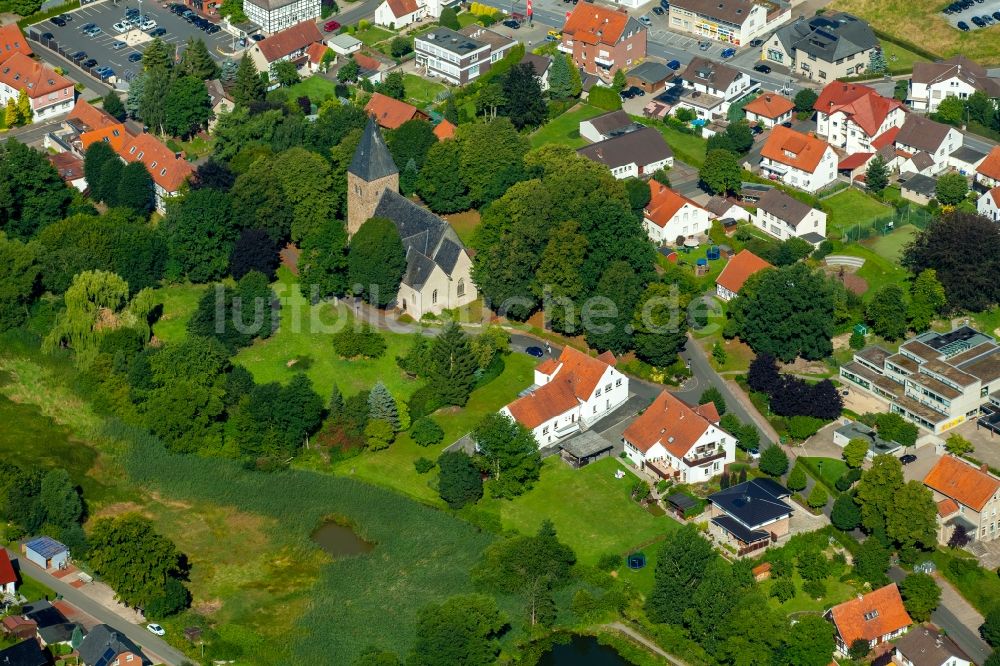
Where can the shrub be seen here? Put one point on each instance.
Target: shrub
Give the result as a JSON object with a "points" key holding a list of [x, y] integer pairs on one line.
{"points": [[365, 342], [379, 434], [804, 427], [783, 590], [609, 562], [426, 432], [817, 497], [849, 478], [814, 588], [423, 465], [424, 401]]}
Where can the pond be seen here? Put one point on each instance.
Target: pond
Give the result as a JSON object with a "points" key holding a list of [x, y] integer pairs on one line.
{"points": [[339, 540], [582, 651]]}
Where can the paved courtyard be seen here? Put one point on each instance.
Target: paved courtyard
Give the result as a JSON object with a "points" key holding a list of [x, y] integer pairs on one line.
{"points": [[987, 444]]}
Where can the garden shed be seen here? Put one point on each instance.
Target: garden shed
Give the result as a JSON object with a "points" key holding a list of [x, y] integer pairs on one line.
{"points": [[585, 448], [47, 553]]}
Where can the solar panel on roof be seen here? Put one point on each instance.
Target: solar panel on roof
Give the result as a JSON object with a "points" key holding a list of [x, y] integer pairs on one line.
{"points": [[45, 546]]}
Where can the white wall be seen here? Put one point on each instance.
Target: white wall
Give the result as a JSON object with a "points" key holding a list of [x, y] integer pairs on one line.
{"points": [[688, 221], [987, 207]]}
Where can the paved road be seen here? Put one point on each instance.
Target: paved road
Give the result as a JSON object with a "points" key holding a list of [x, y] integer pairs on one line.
{"points": [[352, 12], [150, 643]]}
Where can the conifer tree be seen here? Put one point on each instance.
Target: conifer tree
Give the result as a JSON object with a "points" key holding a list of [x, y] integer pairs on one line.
{"points": [[198, 62], [453, 366], [248, 88], [382, 406]]}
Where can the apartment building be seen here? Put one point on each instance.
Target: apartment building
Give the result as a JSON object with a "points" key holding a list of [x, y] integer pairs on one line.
{"points": [[49, 93], [933, 82], [824, 48], [799, 160], [783, 217], [967, 497], [602, 40], [734, 22], [452, 56], [710, 87], [850, 116]]}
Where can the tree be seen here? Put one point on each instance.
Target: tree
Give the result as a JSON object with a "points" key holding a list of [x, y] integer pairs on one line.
{"points": [[113, 105], [440, 184], [990, 630], [452, 365], [376, 261], [286, 73], [254, 250], [462, 630], [379, 434], [323, 267], [773, 461], [877, 175], [619, 81], [927, 300], [200, 234], [805, 100], [426, 432], [24, 111], [845, 515], [187, 107], [32, 194], [561, 84], [157, 55], [857, 340], [153, 105], [951, 111], [248, 88], [809, 642], [855, 452], [400, 46], [876, 491], [459, 482], [714, 395], [392, 86], [97, 157], [958, 445], [382, 406], [411, 141], [449, 18], [721, 172], [523, 103], [135, 189], [197, 62], [912, 523], [817, 497], [11, 116], [19, 274], [959, 537], [60, 500], [621, 286], [349, 71], [510, 453], [952, 189], [682, 565], [797, 479], [872, 561], [921, 595]]}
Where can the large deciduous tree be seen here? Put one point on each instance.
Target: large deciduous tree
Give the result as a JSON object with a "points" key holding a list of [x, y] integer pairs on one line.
{"points": [[376, 261], [19, 273], [921, 595], [721, 171], [32, 194], [927, 300], [187, 107], [886, 312], [200, 234], [462, 630], [951, 189], [681, 567], [510, 453]]}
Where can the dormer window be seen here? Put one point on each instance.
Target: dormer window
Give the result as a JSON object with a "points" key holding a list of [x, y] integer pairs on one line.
{"points": [[871, 615], [132, 150], [163, 172]]}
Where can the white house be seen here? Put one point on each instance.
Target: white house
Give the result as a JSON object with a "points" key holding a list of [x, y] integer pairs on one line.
{"points": [[344, 44], [570, 394], [48, 93], [784, 217], [926, 646], [607, 125], [678, 442], [276, 15], [8, 577], [290, 44], [734, 22], [633, 154], [799, 160], [988, 205], [669, 215], [850, 116], [933, 82], [399, 13], [925, 143], [769, 109], [720, 83], [541, 63], [988, 171]]}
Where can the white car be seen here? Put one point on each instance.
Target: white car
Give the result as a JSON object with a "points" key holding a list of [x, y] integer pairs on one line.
{"points": [[120, 27], [156, 629], [147, 26]]}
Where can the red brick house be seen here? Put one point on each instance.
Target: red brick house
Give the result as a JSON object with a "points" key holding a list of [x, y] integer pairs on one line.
{"points": [[602, 40]]}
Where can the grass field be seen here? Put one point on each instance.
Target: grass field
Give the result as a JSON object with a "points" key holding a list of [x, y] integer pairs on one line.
{"points": [[922, 23], [877, 271], [467, 18], [566, 128], [317, 88], [419, 91], [836, 592], [891, 246], [826, 470], [373, 35], [898, 58], [852, 207], [464, 224], [179, 303]]}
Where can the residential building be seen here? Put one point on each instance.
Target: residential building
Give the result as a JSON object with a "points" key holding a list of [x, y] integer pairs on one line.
{"points": [[12, 41], [315, 53], [678, 442], [784, 217], [936, 380], [875, 618], [53, 628], [825, 47], [726, 209], [168, 170], [103, 646], [452, 56], [499, 44], [988, 171], [734, 22], [289, 44], [26, 653], [799, 160], [650, 76], [921, 142], [736, 272], [8, 577], [85, 117], [274, 16], [633, 154], [966, 160], [957, 76], [967, 496], [988, 204], [390, 113], [918, 188], [850, 116], [398, 14], [221, 101], [541, 63], [750, 515], [670, 216], [602, 40], [344, 44], [607, 125], [570, 394], [769, 109], [371, 69], [438, 267], [70, 168], [703, 77], [50, 94], [926, 646]]}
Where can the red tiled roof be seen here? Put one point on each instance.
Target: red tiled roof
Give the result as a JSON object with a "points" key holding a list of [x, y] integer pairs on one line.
{"points": [[669, 422], [12, 41], [117, 135], [69, 166], [795, 149], [89, 116], [770, 105], [946, 507], [962, 482], [854, 161], [863, 105], [593, 24], [388, 112], [664, 204], [574, 378], [286, 42], [990, 167], [543, 404], [167, 170], [995, 193], [7, 574], [401, 8], [871, 616], [22, 73], [316, 51], [708, 411], [444, 130], [886, 138], [366, 63], [739, 268]]}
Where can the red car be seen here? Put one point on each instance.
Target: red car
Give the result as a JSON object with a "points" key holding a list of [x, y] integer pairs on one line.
{"points": [[330, 26]]}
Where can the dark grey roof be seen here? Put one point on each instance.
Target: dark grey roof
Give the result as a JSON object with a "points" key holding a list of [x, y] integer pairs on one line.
{"points": [[829, 37], [588, 80], [922, 161], [740, 531], [784, 207], [452, 41], [427, 239], [642, 147], [924, 646], [45, 615], [709, 73], [372, 159], [612, 122], [921, 184], [922, 133], [25, 653], [813, 237], [651, 72], [753, 502], [586, 444], [540, 62], [968, 154], [681, 501], [958, 67], [101, 641], [57, 633]]}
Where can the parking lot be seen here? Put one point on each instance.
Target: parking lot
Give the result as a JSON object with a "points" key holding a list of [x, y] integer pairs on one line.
{"points": [[985, 8], [101, 48]]}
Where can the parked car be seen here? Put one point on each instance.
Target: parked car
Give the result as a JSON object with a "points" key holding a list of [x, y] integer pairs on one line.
{"points": [[674, 65], [118, 45], [159, 32], [962, 25], [58, 21], [78, 56], [212, 29], [637, 91], [645, 20], [665, 4], [512, 24], [330, 26], [257, 37], [762, 68], [47, 36], [978, 21], [756, 130], [94, 32], [756, 42], [134, 57], [949, 10], [996, 16], [627, 94], [154, 628], [728, 53], [658, 11], [704, 46], [89, 64], [65, 17], [147, 26], [534, 351], [907, 459], [87, 26]]}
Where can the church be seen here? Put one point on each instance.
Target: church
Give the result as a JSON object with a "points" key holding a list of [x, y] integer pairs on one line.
{"points": [[438, 267]]}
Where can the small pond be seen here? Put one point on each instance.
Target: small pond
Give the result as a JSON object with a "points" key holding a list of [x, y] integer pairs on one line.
{"points": [[582, 651], [339, 540]]}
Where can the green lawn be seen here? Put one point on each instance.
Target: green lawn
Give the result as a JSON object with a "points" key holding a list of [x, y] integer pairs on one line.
{"points": [[467, 18], [837, 591], [687, 147], [826, 470], [852, 207], [877, 271], [736, 112], [899, 59], [373, 35], [194, 148], [566, 128], [891, 246], [419, 91], [317, 88], [179, 303]]}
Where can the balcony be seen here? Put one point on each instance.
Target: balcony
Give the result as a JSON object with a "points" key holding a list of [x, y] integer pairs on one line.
{"points": [[565, 47], [697, 458]]}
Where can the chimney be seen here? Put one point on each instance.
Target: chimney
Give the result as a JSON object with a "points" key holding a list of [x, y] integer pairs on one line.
{"points": [[984, 468], [767, 98]]}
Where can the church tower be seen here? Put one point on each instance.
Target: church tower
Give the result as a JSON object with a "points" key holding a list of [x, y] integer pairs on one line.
{"points": [[371, 173]]}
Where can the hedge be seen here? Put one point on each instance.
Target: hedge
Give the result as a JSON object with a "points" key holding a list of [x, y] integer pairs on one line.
{"points": [[38, 17], [604, 98]]}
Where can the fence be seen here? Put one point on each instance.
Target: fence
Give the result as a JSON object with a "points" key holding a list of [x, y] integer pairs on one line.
{"points": [[34, 35], [905, 214]]}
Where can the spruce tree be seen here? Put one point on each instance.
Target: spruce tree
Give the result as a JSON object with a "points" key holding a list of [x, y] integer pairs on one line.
{"points": [[157, 54], [198, 62], [248, 88], [382, 406], [336, 401], [453, 366], [877, 175], [451, 111], [560, 83]]}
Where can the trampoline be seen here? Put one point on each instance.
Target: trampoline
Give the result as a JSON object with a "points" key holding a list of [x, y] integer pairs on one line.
{"points": [[636, 561]]}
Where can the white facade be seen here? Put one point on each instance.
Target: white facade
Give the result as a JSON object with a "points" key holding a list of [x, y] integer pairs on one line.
{"points": [[755, 24], [814, 222], [272, 18], [928, 96], [988, 204], [824, 173], [440, 291], [693, 469], [634, 170], [384, 16], [952, 142], [689, 220], [840, 130], [766, 121]]}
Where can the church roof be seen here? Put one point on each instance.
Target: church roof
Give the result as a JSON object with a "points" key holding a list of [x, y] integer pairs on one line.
{"points": [[372, 159], [428, 240]]}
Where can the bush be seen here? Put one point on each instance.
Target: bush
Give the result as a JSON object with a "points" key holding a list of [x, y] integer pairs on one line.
{"points": [[849, 478], [365, 342], [814, 588], [379, 434], [426, 432], [609, 562], [424, 401], [804, 427], [423, 465], [783, 590], [604, 98]]}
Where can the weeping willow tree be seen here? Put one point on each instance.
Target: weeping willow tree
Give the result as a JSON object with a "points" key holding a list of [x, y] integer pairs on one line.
{"points": [[97, 304]]}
